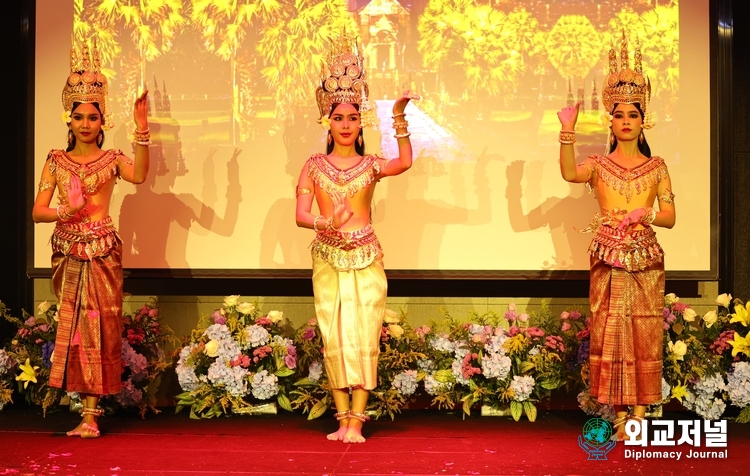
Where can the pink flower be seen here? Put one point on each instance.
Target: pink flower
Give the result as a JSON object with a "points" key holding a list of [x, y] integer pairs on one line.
{"points": [[153, 313], [512, 307], [143, 311], [583, 334], [308, 333], [565, 326], [575, 315], [262, 352], [535, 332], [422, 331], [43, 327], [312, 322], [565, 315], [263, 321], [513, 331], [523, 317], [218, 318], [38, 341], [30, 322], [290, 361]]}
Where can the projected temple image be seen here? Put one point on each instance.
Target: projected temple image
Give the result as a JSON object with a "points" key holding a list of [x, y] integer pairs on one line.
{"points": [[233, 119]]}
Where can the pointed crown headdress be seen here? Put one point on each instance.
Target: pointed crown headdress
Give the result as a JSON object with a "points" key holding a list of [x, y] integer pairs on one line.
{"points": [[86, 83], [628, 86], [342, 77]]}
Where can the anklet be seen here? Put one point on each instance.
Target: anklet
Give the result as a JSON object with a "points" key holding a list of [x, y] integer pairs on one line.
{"points": [[358, 416]]}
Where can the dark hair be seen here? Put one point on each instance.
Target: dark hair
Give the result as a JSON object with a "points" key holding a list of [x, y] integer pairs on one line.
{"points": [[359, 149], [642, 146], [72, 143]]}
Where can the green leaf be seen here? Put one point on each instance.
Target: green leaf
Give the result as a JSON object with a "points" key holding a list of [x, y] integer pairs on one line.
{"points": [[444, 376], [305, 382], [318, 410], [516, 410], [284, 403], [284, 372], [550, 384], [468, 402], [526, 366], [530, 410]]}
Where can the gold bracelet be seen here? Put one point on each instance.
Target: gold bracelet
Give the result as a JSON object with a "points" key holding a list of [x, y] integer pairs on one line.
{"points": [[402, 136], [63, 214], [315, 223], [142, 137], [567, 137], [399, 125], [329, 225], [400, 114], [650, 215]]}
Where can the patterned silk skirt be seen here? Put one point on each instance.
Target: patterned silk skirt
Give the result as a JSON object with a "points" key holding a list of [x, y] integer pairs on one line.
{"points": [[626, 333], [350, 306], [88, 287]]}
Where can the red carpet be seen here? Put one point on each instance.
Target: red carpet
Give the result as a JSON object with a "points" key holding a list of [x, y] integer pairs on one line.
{"points": [[418, 442]]}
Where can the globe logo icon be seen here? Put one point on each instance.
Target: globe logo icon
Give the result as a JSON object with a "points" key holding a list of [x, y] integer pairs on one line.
{"points": [[597, 432]]}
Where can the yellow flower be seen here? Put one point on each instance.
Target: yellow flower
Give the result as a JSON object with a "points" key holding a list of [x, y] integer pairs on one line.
{"points": [[212, 348], [65, 117], [724, 300], [28, 374], [740, 344], [232, 300], [44, 307], [391, 317], [710, 318], [740, 315], [607, 119], [275, 316], [678, 348], [689, 315], [325, 121], [679, 391], [395, 330], [246, 308]]}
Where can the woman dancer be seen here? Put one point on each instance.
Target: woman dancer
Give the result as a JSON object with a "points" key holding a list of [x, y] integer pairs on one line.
{"points": [[86, 251], [349, 283], [627, 266]]}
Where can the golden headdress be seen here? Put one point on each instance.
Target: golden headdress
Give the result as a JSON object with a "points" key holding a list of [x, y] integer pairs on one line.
{"points": [[628, 86], [86, 83], [342, 78]]}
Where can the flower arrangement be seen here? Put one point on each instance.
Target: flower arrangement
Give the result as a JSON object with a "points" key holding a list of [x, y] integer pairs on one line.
{"points": [[509, 361], [397, 374], [32, 351], [235, 359], [28, 358]]}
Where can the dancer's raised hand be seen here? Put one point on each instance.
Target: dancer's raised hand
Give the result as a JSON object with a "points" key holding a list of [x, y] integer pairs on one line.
{"points": [[569, 116], [400, 104], [342, 212], [76, 198]]}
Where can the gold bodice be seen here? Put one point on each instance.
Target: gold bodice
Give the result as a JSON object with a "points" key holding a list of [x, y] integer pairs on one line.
{"points": [[348, 181], [627, 180]]}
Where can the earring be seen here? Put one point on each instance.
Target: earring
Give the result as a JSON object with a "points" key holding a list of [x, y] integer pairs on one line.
{"points": [[611, 139], [359, 140], [70, 137], [641, 138], [330, 138], [99, 139]]}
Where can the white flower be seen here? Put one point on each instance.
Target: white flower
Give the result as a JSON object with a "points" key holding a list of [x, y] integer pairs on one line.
{"points": [[65, 117], [325, 122], [679, 349], [230, 301], [724, 300], [212, 348], [523, 317], [607, 119], [710, 318], [52, 357], [44, 307], [246, 308], [395, 330], [670, 299], [689, 315], [391, 317], [56, 317], [275, 316]]}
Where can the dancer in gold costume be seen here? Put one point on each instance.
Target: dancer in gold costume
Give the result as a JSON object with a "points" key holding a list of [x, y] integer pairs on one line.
{"points": [[86, 264], [349, 282], [627, 266]]}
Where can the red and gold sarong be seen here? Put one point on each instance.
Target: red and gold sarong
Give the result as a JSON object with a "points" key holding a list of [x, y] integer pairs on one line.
{"points": [[626, 319], [87, 278], [350, 289]]}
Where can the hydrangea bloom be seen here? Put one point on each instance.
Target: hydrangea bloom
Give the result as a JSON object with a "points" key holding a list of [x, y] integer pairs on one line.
{"points": [[442, 343], [496, 365], [264, 385], [129, 394], [186, 373], [136, 362], [426, 364], [522, 387], [5, 362], [315, 371], [256, 335], [738, 384], [666, 390], [433, 387], [233, 378], [405, 382], [495, 344]]}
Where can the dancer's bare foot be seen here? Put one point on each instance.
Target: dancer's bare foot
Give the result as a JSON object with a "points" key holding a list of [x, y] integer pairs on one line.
{"points": [[338, 435], [88, 428], [619, 425], [354, 432]]}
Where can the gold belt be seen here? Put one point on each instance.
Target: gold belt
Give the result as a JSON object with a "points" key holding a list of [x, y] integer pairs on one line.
{"points": [[633, 250], [85, 240], [347, 250]]}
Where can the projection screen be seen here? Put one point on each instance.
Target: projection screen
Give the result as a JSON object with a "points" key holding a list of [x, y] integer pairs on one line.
{"points": [[233, 119]]}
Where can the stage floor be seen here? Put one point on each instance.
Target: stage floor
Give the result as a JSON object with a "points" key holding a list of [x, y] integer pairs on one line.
{"points": [[418, 442]]}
